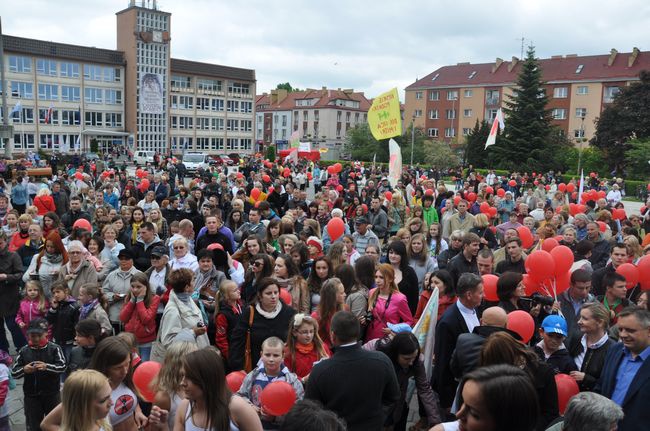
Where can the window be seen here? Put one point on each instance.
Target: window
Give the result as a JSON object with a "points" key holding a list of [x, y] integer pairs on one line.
{"points": [[217, 123], [610, 93], [472, 75], [491, 114], [203, 103], [203, 123], [26, 116], [20, 64], [417, 113], [202, 143], [94, 118], [46, 67], [69, 70], [113, 119], [579, 133], [232, 105], [450, 114], [232, 125], [51, 115], [246, 125], [559, 114], [70, 94], [435, 76], [579, 68], [452, 95], [216, 144], [434, 95], [433, 114], [216, 104], [48, 92], [246, 107], [92, 73], [185, 122], [468, 93], [113, 97], [432, 132], [492, 97], [179, 81], [581, 112], [582, 90], [560, 92], [208, 85], [23, 90], [284, 121], [185, 102], [466, 131], [93, 95], [238, 88], [467, 113], [418, 95], [70, 118], [450, 132]]}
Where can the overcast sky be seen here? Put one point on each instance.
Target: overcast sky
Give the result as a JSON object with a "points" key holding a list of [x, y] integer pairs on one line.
{"points": [[370, 46]]}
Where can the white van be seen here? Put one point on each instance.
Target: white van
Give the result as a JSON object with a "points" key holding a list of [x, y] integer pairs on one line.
{"points": [[142, 157], [194, 161]]}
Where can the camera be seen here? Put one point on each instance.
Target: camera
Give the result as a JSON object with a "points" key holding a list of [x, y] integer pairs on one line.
{"points": [[538, 298], [369, 317], [200, 325]]}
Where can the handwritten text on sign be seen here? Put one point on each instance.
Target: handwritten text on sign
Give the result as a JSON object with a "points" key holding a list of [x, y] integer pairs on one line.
{"points": [[384, 116]]}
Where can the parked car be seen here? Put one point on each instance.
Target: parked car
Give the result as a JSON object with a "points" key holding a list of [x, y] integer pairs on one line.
{"points": [[142, 157], [196, 161], [223, 160]]}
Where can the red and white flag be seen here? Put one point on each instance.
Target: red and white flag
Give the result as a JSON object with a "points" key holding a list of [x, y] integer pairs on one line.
{"points": [[48, 115], [498, 123]]}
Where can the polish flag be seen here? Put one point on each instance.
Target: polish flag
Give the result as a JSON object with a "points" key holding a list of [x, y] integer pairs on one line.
{"points": [[48, 115], [497, 124]]}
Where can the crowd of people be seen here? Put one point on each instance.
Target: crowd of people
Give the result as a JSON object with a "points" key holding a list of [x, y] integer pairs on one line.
{"points": [[246, 270]]}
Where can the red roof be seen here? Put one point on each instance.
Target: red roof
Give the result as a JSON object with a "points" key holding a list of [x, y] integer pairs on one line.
{"points": [[594, 68], [324, 96]]}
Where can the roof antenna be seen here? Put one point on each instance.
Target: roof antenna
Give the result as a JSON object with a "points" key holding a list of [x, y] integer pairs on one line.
{"points": [[522, 48]]}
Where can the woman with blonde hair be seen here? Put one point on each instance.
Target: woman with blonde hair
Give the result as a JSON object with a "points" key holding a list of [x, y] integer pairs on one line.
{"points": [[85, 401], [44, 201], [404, 235], [482, 229], [386, 303], [337, 255], [415, 225], [634, 250], [162, 228]]}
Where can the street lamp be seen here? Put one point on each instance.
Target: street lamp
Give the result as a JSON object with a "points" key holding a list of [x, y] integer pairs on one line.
{"points": [[582, 138], [412, 138]]}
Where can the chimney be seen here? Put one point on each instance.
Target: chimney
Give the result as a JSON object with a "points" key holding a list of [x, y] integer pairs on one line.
{"points": [[556, 57], [497, 63], [513, 63], [612, 56], [348, 91], [632, 58], [571, 56]]}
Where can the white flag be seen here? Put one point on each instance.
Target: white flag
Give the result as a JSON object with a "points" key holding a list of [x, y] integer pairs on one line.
{"points": [[16, 108], [394, 163], [498, 123]]}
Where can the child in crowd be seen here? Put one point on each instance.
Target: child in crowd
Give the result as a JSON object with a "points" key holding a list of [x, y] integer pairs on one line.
{"points": [[5, 385], [93, 306], [139, 314], [63, 315], [551, 349], [270, 369], [132, 342], [229, 302], [41, 363], [304, 346], [88, 334], [351, 253], [33, 306]]}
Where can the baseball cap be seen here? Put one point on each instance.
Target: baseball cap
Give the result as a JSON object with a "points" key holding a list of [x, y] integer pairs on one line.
{"points": [[399, 327], [361, 220], [125, 254], [37, 326], [556, 324], [159, 251]]}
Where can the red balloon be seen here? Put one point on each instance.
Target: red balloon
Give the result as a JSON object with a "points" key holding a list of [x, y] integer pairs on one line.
{"points": [[619, 214], [339, 188], [493, 212], [549, 244], [285, 296], [310, 176], [389, 196], [456, 200], [286, 172], [277, 398], [330, 170], [582, 208], [84, 224], [643, 266], [271, 189], [143, 376], [562, 282], [512, 183], [428, 192], [471, 197], [266, 178], [536, 182], [526, 236], [540, 265], [79, 176], [563, 258], [570, 187], [335, 228], [490, 287], [522, 323], [531, 285], [337, 167], [255, 193], [561, 187], [573, 209], [601, 194], [602, 226], [631, 274], [145, 183], [547, 187], [566, 389], [489, 190], [485, 207], [235, 379], [501, 193]]}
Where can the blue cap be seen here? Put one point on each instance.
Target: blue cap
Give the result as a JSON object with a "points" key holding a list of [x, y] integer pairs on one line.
{"points": [[399, 327], [555, 323]]}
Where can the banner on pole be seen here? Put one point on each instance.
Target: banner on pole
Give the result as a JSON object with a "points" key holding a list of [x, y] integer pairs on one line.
{"points": [[384, 116], [394, 163]]}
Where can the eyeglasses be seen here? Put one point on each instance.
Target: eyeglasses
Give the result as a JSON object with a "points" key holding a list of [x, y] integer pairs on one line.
{"points": [[258, 263]]}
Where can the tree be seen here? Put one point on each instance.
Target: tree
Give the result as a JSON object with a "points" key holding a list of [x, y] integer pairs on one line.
{"points": [[525, 144], [475, 153], [286, 86], [624, 120], [270, 153], [638, 159], [439, 154], [361, 145]]}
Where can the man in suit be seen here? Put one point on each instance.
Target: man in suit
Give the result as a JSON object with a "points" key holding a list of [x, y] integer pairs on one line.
{"points": [[354, 383], [460, 318], [626, 373]]}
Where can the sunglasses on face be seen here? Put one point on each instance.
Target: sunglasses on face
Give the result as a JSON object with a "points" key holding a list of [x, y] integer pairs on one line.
{"points": [[258, 264]]}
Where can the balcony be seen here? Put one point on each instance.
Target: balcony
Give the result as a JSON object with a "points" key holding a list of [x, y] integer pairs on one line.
{"points": [[491, 101]]}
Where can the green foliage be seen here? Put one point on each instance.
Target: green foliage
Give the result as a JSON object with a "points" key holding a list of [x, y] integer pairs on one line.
{"points": [[475, 153], [624, 120], [286, 86], [593, 160], [632, 187], [638, 159], [439, 154], [270, 153], [525, 145], [93, 145]]}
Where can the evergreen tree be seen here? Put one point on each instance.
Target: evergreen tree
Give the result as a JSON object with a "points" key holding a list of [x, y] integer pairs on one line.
{"points": [[525, 144], [475, 154]]}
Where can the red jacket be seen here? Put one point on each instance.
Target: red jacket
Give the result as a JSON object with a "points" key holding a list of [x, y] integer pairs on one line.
{"points": [[304, 362], [141, 320], [44, 204]]}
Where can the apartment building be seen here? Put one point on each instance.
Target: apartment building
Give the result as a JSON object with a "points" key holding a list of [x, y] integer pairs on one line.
{"points": [[447, 102], [321, 117]]}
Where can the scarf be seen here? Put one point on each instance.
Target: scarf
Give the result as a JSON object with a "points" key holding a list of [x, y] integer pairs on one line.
{"points": [[54, 257], [204, 279], [68, 267], [184, 297], [269, 315], [87, 308], [305, 348], [134, 232]]}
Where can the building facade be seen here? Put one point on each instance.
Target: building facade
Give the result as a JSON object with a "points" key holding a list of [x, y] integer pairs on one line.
{"points": [[447, 103], [136, 96], [322, 117]]}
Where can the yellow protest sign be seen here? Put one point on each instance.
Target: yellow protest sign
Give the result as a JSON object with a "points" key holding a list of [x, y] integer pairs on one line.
{"points": [[384, 116]]}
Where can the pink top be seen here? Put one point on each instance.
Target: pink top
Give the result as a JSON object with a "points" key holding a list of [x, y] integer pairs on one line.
{"points": [[397, 312]]}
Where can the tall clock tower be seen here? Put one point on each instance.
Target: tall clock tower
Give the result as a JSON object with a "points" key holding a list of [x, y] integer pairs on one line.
{"points": [[143, 35]]}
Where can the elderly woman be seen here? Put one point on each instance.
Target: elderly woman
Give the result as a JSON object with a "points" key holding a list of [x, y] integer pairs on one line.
{"points": [[78, 270], [182, 257], [45, 265]]}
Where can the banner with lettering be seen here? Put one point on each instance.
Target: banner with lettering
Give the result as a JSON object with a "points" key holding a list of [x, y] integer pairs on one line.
{"points": [[384, 117]]}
